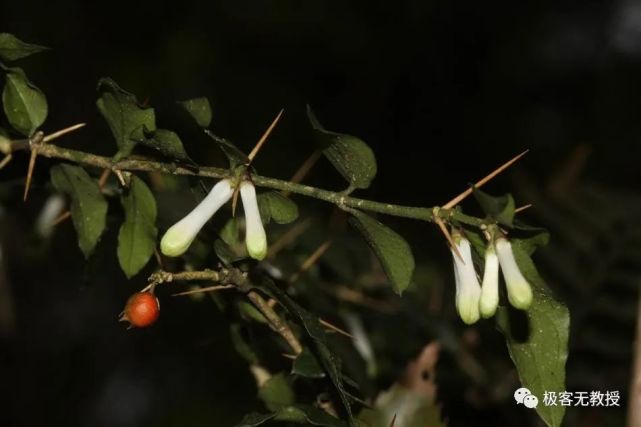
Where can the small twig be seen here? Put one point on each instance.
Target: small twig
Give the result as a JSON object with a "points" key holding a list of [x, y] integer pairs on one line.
{"points": [[158, 258], [448, 236], [102, 181], [34, 143], [335, 328], [62, 217], [121, 177], [237, 279], [288, 237], [455, 201], [522, 208], [201, 290], [276, 323], [5, 161], [234, 201], [304, 169], [311, 260], [347, 294], [62, 132], [263, 138]]}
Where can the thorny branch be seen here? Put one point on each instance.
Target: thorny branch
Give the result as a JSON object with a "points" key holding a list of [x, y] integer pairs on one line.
{"points": [[448, 212], [239, 280]]}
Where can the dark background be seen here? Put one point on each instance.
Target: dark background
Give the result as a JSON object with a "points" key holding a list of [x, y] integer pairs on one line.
{"points": [[443, 92]]}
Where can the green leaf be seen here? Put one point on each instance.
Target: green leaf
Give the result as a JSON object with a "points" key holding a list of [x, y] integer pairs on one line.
{"points": [[168, 143], [331, 364], [240, 344], [309, 415], [24, 104], [199, 109], [225, 253], [234, 155], [391, 249], [306, 365], [230, 233], [274, 205], [530, 241], [137, 237], [125, 117], [277, 392], [349, 154], [539, 359], [88, 206], [254, 419], [499, 208], [249, 312], [12, 48], [410, 409]]}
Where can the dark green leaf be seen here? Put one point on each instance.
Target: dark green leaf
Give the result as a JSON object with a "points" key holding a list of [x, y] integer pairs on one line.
{"points": [[530, 241], [254, 419], [12, 48], [349, 154], [274, 205], [240, 345], [499, 208], [309, 415], [125, 117], [137, 237], [331, 364], [277, 392], [168, 143], [235, 156], [199, 109], [24, 104], [306, 365], [540, 358], [391, 249], [88, 206]]}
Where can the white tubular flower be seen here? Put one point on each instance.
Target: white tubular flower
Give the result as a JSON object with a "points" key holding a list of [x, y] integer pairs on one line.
{"points": [[255, 237], [490, 286], [519, 291], [179, 237], [468, 290]]}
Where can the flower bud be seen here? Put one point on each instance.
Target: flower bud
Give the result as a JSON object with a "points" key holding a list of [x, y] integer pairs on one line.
{"points": [[490, 285], [468, 290], [519, 291], [179, 237], [255, 237]]}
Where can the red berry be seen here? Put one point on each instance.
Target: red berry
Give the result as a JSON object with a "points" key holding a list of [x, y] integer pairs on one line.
{"points": [[142, 309]]}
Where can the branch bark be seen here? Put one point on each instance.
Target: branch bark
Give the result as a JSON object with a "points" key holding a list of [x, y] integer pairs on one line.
{"points": [[238, 279], [140, 164]]}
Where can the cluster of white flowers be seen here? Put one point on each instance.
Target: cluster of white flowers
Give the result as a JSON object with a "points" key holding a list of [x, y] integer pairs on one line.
{"points": [[179, 237], [474, 300]]}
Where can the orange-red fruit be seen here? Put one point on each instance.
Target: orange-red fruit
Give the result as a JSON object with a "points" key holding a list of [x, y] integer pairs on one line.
{"points": [[142, 309]]}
